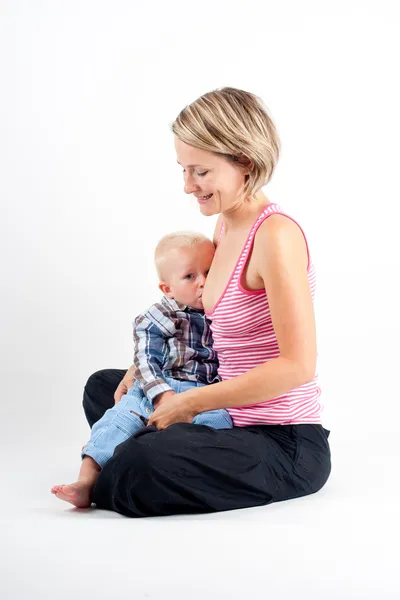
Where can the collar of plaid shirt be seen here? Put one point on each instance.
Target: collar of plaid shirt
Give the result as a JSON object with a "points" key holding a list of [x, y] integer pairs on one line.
{"points": [[174, 305]]}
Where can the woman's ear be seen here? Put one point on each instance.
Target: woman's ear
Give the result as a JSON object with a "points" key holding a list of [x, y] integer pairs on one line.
{"points": [[165, 288], [247, 164]]}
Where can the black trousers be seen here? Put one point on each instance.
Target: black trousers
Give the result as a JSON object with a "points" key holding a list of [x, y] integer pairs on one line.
{"points": [[190, 468]]}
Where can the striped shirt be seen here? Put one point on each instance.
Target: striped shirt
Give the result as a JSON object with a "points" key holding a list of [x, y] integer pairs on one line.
{"points": [[172, 340], [244, 337]]}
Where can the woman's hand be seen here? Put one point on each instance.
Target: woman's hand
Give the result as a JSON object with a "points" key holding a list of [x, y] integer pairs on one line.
{"points": [[125, 384], [177, 409]]}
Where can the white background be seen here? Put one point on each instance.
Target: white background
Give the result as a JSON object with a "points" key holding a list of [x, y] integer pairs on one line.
{"points": [[88, 184]]}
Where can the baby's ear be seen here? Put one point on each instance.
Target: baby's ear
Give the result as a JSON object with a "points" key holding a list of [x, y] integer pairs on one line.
{"points": [[166, 290]]}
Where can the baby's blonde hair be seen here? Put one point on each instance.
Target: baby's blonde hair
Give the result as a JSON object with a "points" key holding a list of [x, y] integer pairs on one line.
{"points": [[172, 241], [236, 125]]}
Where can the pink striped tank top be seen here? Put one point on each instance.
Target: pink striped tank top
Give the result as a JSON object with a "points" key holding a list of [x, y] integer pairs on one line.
{"points": [[244, 338]]}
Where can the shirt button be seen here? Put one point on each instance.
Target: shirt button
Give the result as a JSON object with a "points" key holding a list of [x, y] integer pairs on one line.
{"points": [[148, 410]]}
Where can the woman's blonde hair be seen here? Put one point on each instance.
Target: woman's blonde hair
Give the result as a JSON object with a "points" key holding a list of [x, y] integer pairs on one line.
{"points": [[236, 125]]}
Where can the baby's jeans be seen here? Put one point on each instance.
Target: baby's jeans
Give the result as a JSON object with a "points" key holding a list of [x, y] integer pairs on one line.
{"points": [[131, 414]]}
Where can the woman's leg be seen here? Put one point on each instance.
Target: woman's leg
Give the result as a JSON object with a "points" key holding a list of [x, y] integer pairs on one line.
{"points": [[188, 468], [98, 395]]}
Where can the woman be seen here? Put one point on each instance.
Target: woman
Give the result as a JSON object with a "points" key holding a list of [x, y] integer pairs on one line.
{"points": [[259, 296]]}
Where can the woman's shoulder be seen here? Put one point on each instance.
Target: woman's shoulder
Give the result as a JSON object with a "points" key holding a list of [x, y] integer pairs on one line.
{"points": [[277, 225], [280, 236]]}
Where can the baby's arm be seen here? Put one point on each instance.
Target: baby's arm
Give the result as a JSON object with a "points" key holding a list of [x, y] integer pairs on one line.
{"points": [[150, 355]]}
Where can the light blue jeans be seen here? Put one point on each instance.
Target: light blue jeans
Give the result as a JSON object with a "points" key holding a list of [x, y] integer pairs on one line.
{"points": [[131, 414]]}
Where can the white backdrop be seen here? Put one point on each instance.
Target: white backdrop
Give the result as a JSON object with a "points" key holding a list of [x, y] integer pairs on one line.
{"points": [[89, 182]]}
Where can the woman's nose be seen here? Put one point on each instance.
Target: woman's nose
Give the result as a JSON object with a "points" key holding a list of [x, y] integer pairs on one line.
{"points": [[190, 186]]}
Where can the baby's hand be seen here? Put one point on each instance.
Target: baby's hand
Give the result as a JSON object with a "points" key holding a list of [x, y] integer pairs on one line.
{"points": [[125, 384]]}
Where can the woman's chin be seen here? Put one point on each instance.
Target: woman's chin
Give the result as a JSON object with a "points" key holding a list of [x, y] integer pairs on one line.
{"points": [[207, 210]]}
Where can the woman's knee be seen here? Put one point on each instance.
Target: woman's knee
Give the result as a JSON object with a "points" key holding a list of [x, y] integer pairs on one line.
{"points": [[98, 394], [95, 382], [323, 471]]}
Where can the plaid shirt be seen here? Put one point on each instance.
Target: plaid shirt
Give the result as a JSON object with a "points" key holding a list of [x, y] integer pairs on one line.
{"points": [[172, 340]]}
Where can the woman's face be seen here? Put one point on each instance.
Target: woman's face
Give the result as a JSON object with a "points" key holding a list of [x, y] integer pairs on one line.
{"points": [[215, 182]]}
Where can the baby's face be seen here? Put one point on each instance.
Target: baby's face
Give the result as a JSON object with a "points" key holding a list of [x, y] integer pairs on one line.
{"points": [[186, 270]]}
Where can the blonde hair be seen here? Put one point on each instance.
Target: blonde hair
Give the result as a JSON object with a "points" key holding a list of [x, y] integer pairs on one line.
{"points": [[236, 125], [173, 241]]}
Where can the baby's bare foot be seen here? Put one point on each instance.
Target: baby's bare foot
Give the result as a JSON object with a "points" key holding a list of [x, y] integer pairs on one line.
{"points": [[77, 493]]}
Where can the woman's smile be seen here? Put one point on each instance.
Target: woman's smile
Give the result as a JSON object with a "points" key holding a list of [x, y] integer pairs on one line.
{"points": [[204, 199]]}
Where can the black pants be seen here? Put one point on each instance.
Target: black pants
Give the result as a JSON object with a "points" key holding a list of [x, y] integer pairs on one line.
{"points": [[190, 468]]}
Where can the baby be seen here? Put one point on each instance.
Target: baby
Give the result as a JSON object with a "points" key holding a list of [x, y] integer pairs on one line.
{"points": [[172, 353]]}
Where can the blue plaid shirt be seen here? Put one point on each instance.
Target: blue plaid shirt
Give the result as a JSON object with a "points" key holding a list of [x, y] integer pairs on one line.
{"points": [[172, 340]]}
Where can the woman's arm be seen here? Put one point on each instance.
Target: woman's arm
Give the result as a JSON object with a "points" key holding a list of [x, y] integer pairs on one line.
{"points": [[281, 259]]}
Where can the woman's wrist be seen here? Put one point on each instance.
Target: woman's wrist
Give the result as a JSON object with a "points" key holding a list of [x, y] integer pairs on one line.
{"points": [[195, 400], [162, 397]]}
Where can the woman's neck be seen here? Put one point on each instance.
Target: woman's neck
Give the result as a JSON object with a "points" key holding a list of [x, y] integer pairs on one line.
{"points": [[241, 217]]}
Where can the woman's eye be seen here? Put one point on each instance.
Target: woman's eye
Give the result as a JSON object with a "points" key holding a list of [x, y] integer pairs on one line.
{"points": [[196, 173]]}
